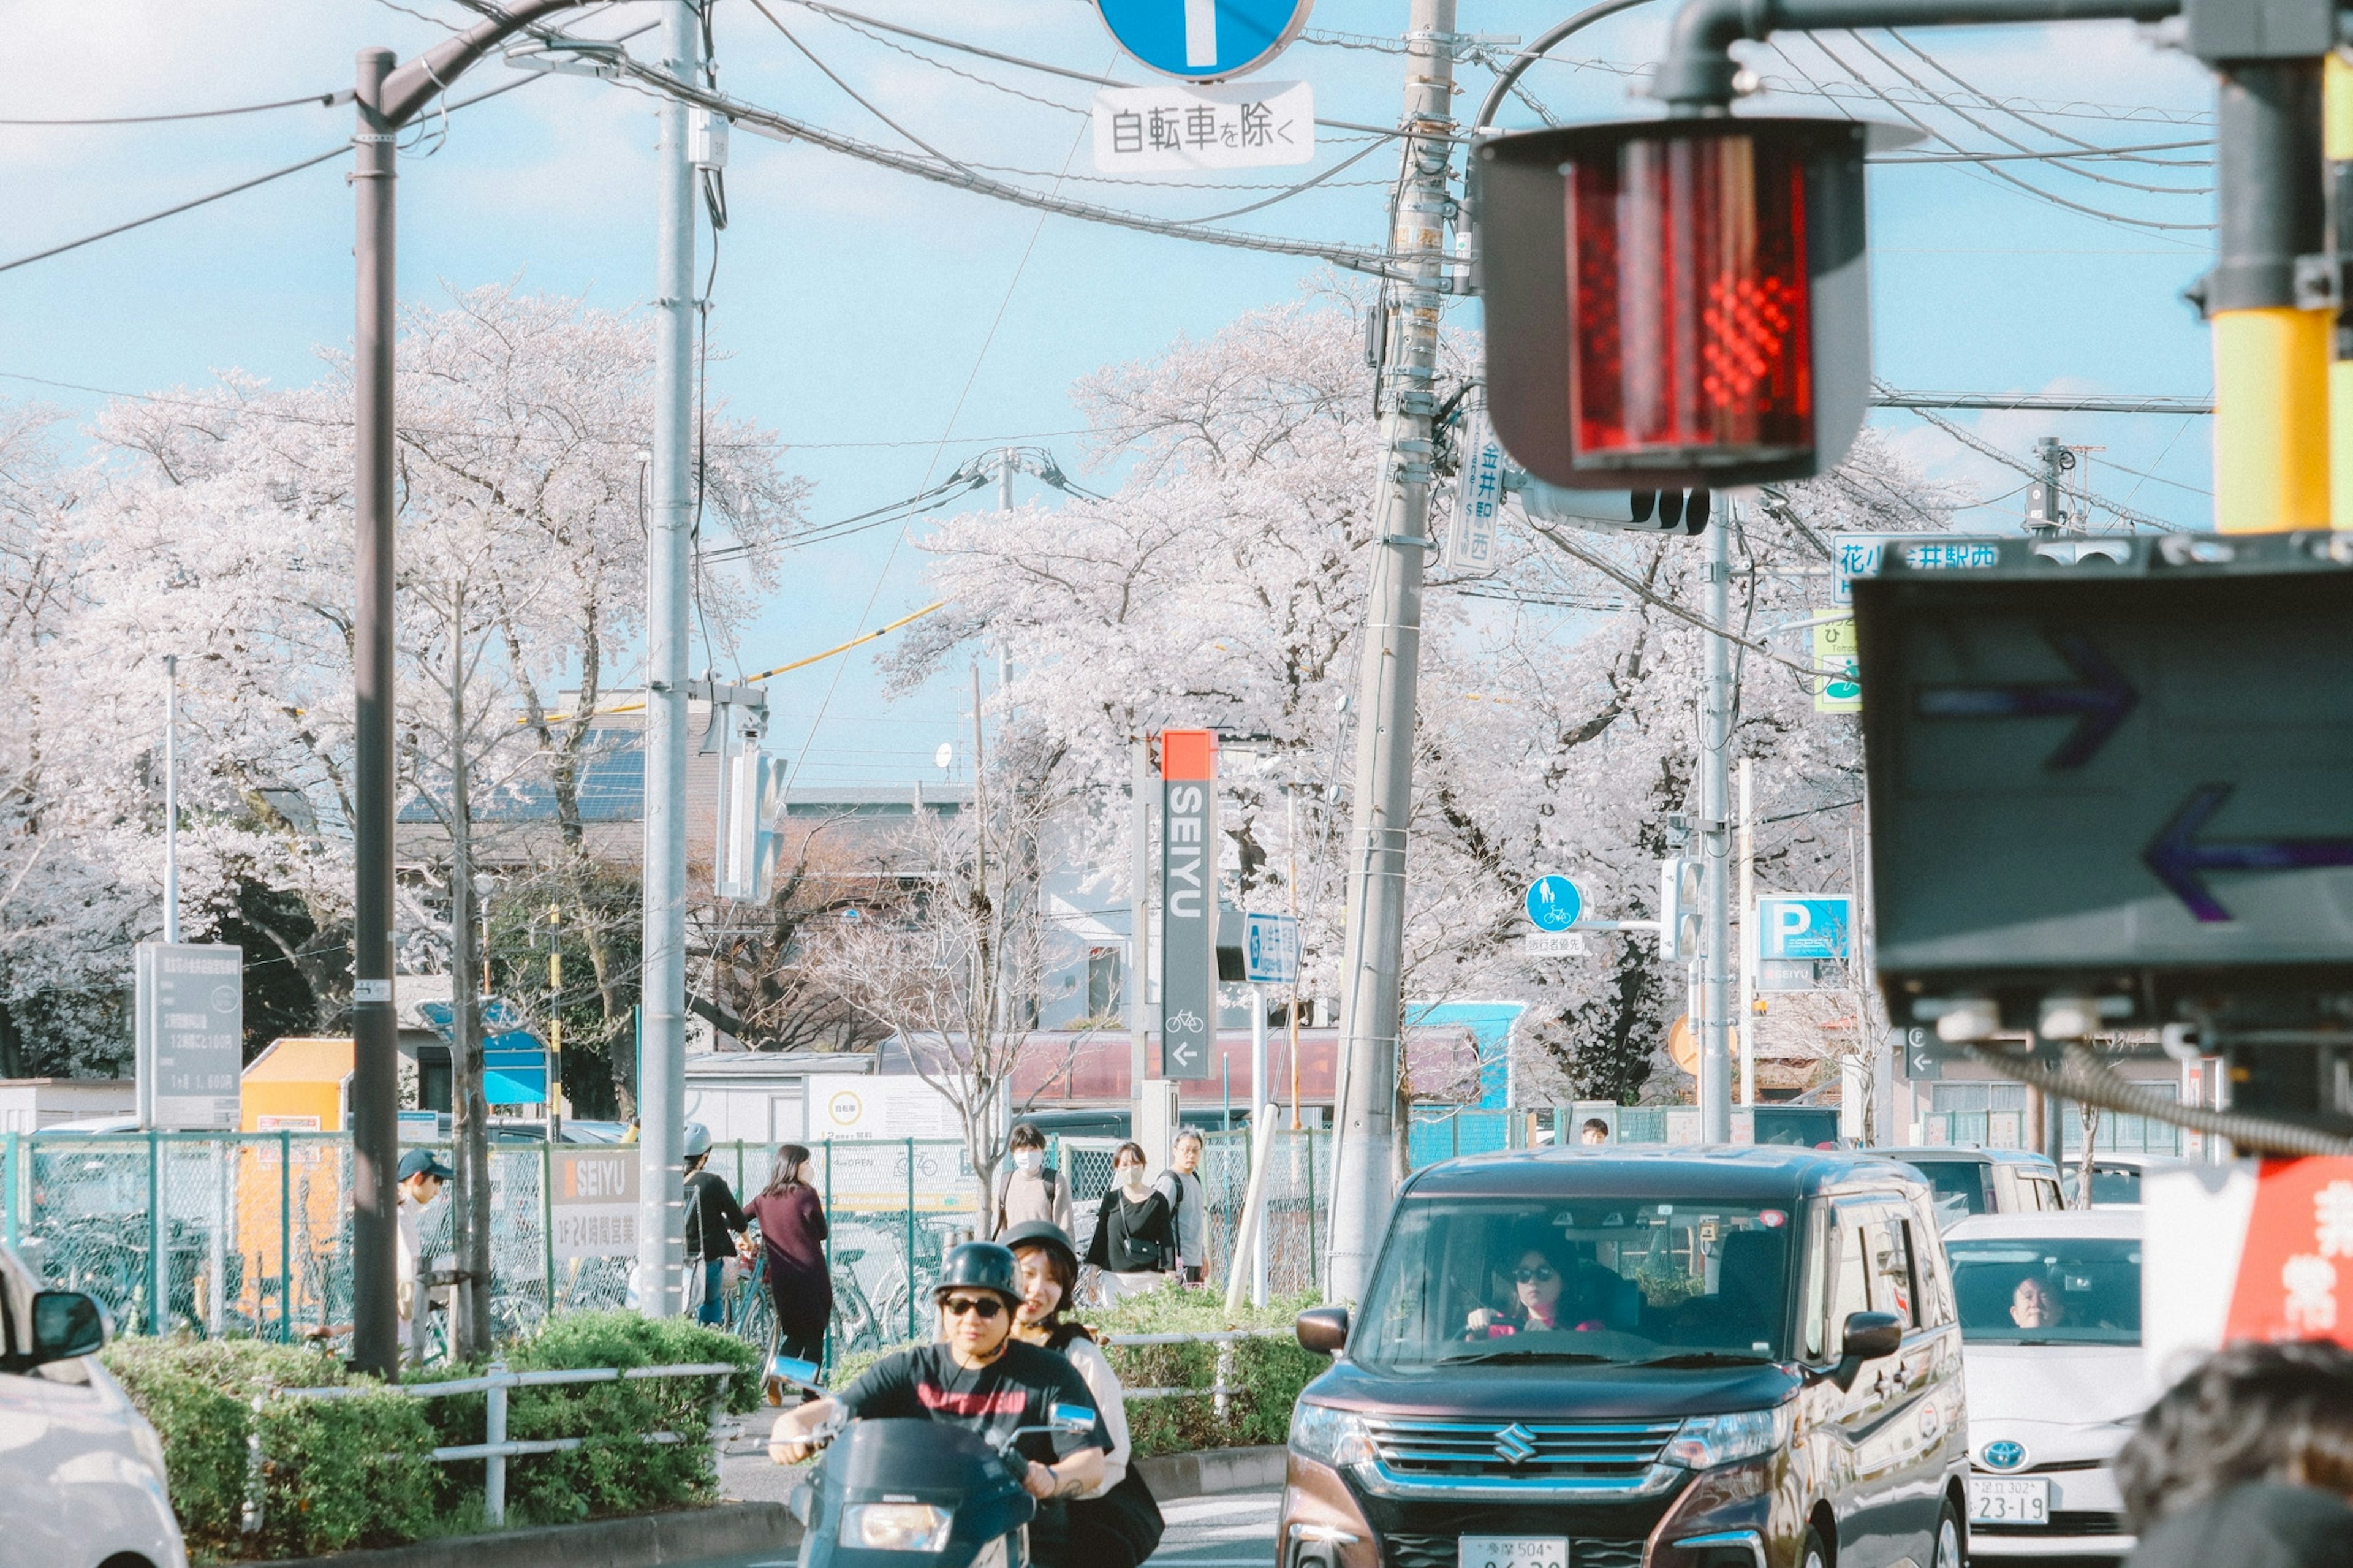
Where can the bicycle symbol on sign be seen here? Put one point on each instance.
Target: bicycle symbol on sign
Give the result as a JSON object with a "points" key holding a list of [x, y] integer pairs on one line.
{"points": [[1185, 1023]]}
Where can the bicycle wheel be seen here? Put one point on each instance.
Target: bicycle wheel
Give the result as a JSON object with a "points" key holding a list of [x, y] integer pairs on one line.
{"points": [[753, 1318]]}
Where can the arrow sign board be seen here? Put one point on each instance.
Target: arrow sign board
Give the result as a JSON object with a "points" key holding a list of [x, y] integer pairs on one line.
{"points": [[1203, 40], [2121, 779], [1552, 903]]}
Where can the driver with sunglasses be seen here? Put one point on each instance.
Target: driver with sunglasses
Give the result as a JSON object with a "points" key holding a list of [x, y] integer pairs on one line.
{"points": [[1539, 1279], [976, 1374]]}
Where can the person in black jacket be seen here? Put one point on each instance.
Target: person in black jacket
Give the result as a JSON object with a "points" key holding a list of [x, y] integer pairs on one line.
{"points": [[2247, 1462], [1135, 1242], [714, 1221]]}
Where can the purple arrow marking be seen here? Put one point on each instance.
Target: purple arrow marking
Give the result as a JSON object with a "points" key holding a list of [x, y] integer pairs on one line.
{"points": [[2099, 704], [2177, 857]]}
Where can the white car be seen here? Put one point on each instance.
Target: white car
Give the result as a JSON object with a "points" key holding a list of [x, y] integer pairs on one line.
{"points": [[2116, 1178], [81, 1472], [2050, 1311]]}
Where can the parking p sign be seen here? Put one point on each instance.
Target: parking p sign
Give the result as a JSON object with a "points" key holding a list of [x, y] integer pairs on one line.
{"points": [[1797, 934]]}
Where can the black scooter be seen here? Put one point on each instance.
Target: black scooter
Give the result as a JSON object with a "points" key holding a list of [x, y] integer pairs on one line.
{"points": [[915, 1494]]}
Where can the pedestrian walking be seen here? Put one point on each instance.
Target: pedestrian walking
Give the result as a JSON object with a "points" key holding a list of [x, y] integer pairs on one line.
{"points": [[1181, 1184], [792, 1236], [1030, 1189], [713, 1222], [1118, 1525], [1135, 1244], [421, 1177], [2247, 1461]]}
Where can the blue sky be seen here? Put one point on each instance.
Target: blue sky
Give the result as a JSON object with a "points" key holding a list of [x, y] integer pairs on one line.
{"points": [[889, 329]]}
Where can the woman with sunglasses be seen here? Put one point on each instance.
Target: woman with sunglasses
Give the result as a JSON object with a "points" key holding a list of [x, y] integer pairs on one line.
{"points": [[1538, 1281], [977, 1374]]}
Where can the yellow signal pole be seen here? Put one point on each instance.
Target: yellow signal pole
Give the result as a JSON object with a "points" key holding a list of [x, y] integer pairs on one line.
{"points": [[2336, 146]]}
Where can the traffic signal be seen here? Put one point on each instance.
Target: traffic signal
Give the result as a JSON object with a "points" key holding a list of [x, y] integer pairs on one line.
{"points": [[1680, 882], [1677, 304], [1638, 511]]}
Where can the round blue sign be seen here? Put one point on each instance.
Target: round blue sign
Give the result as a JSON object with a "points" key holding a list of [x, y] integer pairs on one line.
{"points": [[1203, 40], [1554, 903]]}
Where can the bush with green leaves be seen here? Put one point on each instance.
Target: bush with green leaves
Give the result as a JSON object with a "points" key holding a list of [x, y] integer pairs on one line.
{"points": [[351, 1471]]}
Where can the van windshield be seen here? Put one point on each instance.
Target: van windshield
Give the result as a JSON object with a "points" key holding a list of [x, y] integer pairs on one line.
{"points": [[1625, 1281], [1960, 1186], [2047, 1290]]}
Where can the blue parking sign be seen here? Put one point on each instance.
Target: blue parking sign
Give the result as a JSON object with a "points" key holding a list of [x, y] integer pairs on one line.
{"points": [[1808, 928]]}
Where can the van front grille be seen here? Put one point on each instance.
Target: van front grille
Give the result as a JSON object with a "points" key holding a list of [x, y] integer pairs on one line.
{"points": [[1519, 1451]]}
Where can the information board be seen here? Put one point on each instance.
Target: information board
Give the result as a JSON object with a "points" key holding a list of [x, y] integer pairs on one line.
{"points": [[190, 1034], [592, 1205]]}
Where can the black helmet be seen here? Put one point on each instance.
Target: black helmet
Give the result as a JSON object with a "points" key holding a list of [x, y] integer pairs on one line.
{"points": [[980, 1266], [1041, 1233]]}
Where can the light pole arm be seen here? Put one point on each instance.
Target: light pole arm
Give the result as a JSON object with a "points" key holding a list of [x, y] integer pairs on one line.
{"points": [[1696, 75], [411, 87]]}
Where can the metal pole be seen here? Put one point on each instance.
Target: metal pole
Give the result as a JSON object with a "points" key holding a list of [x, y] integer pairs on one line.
{"points": [[1139, 926], [159, 1264], [1290, 890], [285, 1237], [1715, 840], [170, 797], [1748, 931], [661, 1072], [1389, 673], [376, 1147], [494, 1432]]}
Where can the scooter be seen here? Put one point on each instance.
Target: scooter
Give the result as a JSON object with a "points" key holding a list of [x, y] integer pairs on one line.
{"points": [[890, 1490]]}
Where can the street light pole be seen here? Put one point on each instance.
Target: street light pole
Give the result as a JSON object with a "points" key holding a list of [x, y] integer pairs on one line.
{"points": [[1715, 840], [661, 1067]]}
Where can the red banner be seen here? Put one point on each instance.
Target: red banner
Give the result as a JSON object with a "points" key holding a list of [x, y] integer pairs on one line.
{"points": [[2296, 1275]]}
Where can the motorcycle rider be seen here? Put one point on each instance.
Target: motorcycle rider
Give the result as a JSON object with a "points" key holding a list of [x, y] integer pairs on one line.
{"points": [[978, 1375]]}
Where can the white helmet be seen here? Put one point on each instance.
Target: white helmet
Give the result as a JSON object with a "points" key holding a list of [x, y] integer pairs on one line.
{"points": [[698, 1140]]}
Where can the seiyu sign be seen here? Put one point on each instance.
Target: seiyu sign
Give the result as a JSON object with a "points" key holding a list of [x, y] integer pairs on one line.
{"points": [[189, 1034], [1188, 902], [2119, 780]]}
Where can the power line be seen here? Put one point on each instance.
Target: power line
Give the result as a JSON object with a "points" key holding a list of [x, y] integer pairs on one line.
{"points": [[1886, 397], [1987, 450], [1999, 105], [320, 99], [2119, 153]]}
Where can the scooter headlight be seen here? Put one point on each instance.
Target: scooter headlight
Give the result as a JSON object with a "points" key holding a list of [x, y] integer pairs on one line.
{"points": [[895, 1527]]}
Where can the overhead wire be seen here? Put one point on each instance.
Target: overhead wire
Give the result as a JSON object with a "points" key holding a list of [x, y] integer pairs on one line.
{"points": [[318, 99], [1986, 448], [1997, 105], [857, 97]]}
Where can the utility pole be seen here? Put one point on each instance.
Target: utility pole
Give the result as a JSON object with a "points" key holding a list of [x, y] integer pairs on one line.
{"points": [[170, 797], [1139, 926], [1748, 947], [1388, 675], [2046, 498], [661, 1067], [1715, 844]]}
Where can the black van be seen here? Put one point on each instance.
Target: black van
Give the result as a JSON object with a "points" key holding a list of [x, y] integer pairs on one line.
{"points": [[1639, 1358]]}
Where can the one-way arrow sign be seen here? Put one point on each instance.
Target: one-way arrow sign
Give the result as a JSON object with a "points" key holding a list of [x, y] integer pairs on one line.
{"points": [[2100, 702], [2178, 855]]}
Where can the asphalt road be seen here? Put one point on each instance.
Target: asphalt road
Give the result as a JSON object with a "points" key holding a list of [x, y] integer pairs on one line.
{"points": [[1232, 1530]]}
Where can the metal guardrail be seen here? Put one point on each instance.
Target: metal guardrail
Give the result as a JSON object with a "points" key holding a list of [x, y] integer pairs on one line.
{"points": [[496, 1448], [1222, 1387]]}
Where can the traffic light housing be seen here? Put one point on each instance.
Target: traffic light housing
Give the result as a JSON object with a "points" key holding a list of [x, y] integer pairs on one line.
{"points": [[1675, 304], [1680, 879], [1633, 512]]}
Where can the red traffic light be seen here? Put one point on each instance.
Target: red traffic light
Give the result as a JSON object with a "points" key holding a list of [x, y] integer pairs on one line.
{"points": [[1675, 303]]}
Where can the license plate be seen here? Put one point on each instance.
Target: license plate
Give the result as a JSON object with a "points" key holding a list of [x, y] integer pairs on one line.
{"points": [[1513, 1552], [2006, 1499]]}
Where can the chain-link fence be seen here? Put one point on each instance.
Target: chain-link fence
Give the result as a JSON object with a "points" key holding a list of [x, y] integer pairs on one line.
{"points": [[251, 1234]]}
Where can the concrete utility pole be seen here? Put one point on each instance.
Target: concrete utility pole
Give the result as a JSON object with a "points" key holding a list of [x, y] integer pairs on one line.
{"points": [[386, 100], [170, 797], [1749, 946], [1390, 674], [662, 1065], [1715, 845], [1139, 925]]}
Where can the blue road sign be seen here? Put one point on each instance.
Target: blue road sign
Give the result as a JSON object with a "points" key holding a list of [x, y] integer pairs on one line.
{"points": [[1554, 903], [1803, 930], [1269, 949], [1203, 40]]}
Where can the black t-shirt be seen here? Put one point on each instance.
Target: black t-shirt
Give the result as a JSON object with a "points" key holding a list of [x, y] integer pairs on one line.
{"points": [[1015, 1390], [713, 1219]]}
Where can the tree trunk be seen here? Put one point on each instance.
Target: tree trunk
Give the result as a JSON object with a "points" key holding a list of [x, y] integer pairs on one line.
{"points": [[469, 1326]]}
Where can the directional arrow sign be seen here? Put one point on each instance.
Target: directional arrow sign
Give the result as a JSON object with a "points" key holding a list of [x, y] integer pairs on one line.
{"points": [[2098, 701], [2116, 778], [2179, 856]]}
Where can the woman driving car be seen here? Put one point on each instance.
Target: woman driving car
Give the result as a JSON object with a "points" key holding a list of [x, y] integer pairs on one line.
{"points": [[1539, 1279]]}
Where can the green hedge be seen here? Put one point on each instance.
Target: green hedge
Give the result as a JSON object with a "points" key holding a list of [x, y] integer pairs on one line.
{"points": [[1269, 1371], [350, 1472]]}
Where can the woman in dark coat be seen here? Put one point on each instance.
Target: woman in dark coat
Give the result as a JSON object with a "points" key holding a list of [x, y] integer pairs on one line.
{"points": [[1135, 1242], [792, 1234]]}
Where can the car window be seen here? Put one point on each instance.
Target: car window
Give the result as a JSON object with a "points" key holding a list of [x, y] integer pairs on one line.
{"points": [[2047, 1289], [1624, 1281], [2111, 1187], [1888, 1259], [1851, 1292], [1959, 1185], [1818, 1277]]}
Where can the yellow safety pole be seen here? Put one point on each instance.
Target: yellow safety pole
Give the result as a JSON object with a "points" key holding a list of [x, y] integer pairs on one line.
{"points": [[2336, 146], [2272, 327]]}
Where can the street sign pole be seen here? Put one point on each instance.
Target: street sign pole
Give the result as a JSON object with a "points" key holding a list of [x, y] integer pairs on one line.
{"points": [[1715, 838]]}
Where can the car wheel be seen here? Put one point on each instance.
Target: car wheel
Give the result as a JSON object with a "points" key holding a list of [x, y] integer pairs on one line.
{"points": [[1814, 1554], [1948, 1537]]}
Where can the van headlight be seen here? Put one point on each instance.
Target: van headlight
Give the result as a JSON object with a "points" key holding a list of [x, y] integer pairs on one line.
{"points": [[1706, 1441], [1336, 1437], [895, 1527]]}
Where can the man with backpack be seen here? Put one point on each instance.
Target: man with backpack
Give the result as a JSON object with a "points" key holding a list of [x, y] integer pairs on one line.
{"points": [[1181, 1185], [1028, 1190]]}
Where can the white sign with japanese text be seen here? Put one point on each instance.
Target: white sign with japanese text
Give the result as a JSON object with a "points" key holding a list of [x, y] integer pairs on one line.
{"points": [[189, 1033], [1478, 498], [592, 1207], [1175, 126]]}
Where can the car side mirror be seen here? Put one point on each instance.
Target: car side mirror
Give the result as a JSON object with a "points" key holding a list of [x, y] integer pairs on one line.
{"points": [[66, 1324], [1869, 1336], [1323, 1329]]}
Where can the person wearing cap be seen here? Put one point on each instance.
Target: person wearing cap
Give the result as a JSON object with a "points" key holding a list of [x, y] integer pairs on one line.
{"points": [[421, 1176], [978, 1375]]}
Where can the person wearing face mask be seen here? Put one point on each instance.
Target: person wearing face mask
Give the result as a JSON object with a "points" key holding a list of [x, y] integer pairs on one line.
{"points": [[1030, 1190], [1135, 1242]]}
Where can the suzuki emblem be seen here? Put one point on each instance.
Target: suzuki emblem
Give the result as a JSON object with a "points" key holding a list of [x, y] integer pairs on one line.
{"points": [[1515, 1444]]}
